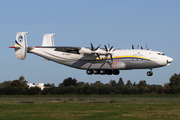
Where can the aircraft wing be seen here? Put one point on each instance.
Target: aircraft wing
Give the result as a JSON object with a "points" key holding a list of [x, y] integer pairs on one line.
{"points": [[76, 50], [62, 48]]}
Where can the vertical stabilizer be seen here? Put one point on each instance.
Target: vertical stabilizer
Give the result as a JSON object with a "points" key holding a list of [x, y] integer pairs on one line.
{"points": [[48, 40], [21, 45]]}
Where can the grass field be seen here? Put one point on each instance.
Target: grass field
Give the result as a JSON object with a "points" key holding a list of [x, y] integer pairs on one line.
{"points": [[113, 107]]}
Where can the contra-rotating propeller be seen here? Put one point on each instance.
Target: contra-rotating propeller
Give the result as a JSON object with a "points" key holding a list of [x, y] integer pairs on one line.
{"points": [[94, 49], [109, 52]]}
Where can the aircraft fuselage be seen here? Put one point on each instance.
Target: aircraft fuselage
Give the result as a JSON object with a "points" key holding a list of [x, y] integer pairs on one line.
{"points": [[122, 59]]}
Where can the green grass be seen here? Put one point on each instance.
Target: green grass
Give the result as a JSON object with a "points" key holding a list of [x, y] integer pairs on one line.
{"points": [[94, 107]]}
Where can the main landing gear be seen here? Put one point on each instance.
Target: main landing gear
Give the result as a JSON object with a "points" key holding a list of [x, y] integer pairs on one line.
{"points": [[150, 73], [110, 72], [103, 72]]}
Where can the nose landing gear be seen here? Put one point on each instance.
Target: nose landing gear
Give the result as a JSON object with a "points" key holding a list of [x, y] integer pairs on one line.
{"points": [[150, 73]]}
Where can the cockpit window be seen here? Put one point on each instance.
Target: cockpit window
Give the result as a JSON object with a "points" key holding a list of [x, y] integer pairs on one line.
{"points": [[160, 53]]}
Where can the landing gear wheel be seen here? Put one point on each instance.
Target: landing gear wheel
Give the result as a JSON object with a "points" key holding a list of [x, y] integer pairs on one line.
{"points": [[96, 72], [109, 72], [149, 73], [115, 72], [89, 72], [102, 72]]}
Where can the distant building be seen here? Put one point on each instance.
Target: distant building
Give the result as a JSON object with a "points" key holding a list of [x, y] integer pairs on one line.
{"points": [[40, 85]]}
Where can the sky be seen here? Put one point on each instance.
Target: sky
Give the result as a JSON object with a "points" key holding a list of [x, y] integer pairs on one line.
{"points": [[120, 23]]}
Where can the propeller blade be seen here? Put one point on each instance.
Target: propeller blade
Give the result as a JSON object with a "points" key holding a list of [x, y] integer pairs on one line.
{"points": [[106, 48], [132, 46], [147, 47], [111, 58], [98, 55], [92, 48], [108, 45], [98, 47], [111, 48]]}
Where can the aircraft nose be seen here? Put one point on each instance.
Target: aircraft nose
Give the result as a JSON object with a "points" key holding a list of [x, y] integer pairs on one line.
{"points": [[169, 60]]}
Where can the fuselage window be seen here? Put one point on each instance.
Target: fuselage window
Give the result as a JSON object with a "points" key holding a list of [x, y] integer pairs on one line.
{"points": [[160, 53]]}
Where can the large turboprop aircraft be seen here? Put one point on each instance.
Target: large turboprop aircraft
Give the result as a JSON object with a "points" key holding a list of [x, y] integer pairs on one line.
{"points": [[94, 60]]}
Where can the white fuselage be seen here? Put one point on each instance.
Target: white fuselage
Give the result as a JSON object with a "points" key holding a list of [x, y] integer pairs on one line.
{"points": [[122, 59]]}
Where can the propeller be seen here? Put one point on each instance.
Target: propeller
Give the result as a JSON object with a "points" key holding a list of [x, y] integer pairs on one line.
{"points": [[109, 52], [94, 49]]}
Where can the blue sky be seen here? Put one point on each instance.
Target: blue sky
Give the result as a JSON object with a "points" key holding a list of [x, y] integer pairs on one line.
{"points": [[80, 22]]}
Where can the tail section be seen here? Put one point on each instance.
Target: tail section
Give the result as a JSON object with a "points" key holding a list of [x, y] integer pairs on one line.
{"points": [[48, 40], [21, 45]]}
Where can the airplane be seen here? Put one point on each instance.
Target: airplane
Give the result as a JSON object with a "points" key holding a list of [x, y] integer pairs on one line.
{"points": [[97, 61]]}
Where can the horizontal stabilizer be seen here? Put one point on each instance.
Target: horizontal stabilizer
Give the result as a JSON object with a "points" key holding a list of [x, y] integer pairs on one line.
{"points": [[14, 47]]}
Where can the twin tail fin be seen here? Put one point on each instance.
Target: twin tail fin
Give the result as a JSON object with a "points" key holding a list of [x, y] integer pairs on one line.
{"points": [[48, 40], [20, 45]]}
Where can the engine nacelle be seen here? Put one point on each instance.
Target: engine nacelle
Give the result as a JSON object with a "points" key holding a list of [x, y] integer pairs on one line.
{"points": [[85, 51]]}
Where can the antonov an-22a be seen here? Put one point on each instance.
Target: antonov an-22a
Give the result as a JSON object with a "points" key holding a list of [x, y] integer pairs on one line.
{"points": [[103, 61]]}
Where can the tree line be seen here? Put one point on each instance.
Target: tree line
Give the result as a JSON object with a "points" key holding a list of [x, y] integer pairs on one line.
{"points": [[71, 86]]}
